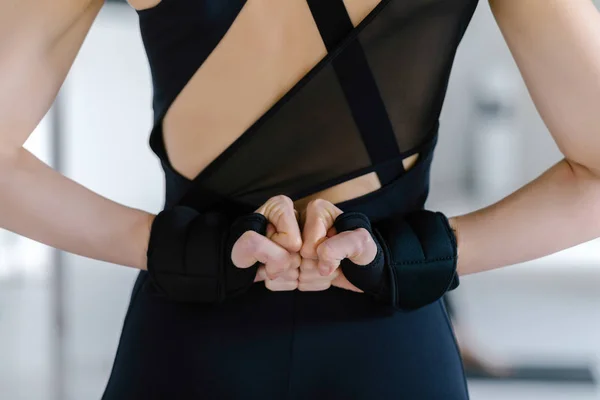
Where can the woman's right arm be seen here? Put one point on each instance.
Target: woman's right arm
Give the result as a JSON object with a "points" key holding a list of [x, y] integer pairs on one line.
{"points": [[39, 40], [38, 43]]}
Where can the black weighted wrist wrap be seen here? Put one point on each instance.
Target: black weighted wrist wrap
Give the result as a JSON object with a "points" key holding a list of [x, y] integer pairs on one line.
{"points": [[419, 259], [189, 255]]}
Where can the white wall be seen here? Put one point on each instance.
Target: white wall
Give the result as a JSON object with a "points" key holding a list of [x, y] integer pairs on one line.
{"points": [[482, 52], [108, 104]]}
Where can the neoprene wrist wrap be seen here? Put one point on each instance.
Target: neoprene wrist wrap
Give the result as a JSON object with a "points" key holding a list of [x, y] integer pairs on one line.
{"points": [[416, 259], [189, 255]]}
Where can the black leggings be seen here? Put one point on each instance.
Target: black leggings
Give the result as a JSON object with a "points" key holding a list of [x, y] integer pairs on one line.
{"points": [[293, 345]]}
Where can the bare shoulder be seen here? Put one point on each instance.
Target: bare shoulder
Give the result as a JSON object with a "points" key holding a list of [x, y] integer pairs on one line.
{"points": [[538, 9], [33, 20], [542, 20]]}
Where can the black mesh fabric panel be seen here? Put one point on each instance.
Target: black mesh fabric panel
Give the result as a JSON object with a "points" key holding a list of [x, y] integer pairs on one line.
{"points": [[288, 150], [410, 49], [372, 101]]}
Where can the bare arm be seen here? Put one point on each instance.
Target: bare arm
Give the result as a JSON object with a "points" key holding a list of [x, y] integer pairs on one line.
{"points": [[556, 44], [38, 43]]}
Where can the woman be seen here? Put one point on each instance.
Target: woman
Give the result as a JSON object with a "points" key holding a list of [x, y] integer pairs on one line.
{"points": [[325, 109]]}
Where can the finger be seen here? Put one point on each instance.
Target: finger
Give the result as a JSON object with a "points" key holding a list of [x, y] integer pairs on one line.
{"points": [[308, 265], [288, 276], [342, 282], [271, 231], [357, 245], [290, 264], [253, 247], [308, 269], [286, 281], [281, 285], [319, 217], [310, 279], [291, 274], [279, 267], [314, 287], [261, 274], [279, 210]]}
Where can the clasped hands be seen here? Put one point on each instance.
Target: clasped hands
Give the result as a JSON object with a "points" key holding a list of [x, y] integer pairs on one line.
{"points": [[405, 261], [302, 250]]}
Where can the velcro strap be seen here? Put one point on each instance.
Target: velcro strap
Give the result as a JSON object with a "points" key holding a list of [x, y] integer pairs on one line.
{"points": [[184, 254], [421, 252]]}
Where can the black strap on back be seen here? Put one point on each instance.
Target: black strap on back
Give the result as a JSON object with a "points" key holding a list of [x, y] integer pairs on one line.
{"points": [[359, 86], [360, 90]]}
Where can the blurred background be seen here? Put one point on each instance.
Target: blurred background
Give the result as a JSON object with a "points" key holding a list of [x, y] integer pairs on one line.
{"points": [[61, 315]]}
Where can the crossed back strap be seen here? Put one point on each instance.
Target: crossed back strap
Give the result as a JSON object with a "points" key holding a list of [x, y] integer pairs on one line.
{"points": [[372, 101]]}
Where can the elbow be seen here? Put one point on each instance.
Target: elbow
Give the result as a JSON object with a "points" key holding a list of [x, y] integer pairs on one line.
{"points": [[582, 154], [9, 159], [587, 182], [582, 170]]}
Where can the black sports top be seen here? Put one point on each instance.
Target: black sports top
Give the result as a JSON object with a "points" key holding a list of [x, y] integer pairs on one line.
{"points": [[372, 101]]}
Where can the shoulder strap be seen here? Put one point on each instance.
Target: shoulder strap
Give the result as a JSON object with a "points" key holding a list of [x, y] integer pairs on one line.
{"points": [[359, 86]]}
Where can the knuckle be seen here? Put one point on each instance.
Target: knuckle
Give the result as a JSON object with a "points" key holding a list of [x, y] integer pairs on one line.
{"points": [[276, 286], [295, 243], [269, 284], [273, 270], [280, 264], [326, 251], [273, 207], [314, 287], [306, 267], [294, 275], [363, 235], [283, 200], [308, 277], [293, 285], [303, 287], [305, 251], [304, 278], [317, 204], [250, 242], [309, 249], [363, 239], [295, 261]]}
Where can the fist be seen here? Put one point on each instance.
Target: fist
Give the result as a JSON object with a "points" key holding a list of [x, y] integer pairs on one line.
{"points": [[278, 251], [323, 248]]}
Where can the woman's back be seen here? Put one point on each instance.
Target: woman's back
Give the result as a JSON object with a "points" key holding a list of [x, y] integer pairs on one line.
{"points": [[346, 89]]}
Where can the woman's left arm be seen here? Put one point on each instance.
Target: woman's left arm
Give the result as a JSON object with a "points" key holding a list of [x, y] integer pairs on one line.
{"points": [[556, 44]]}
